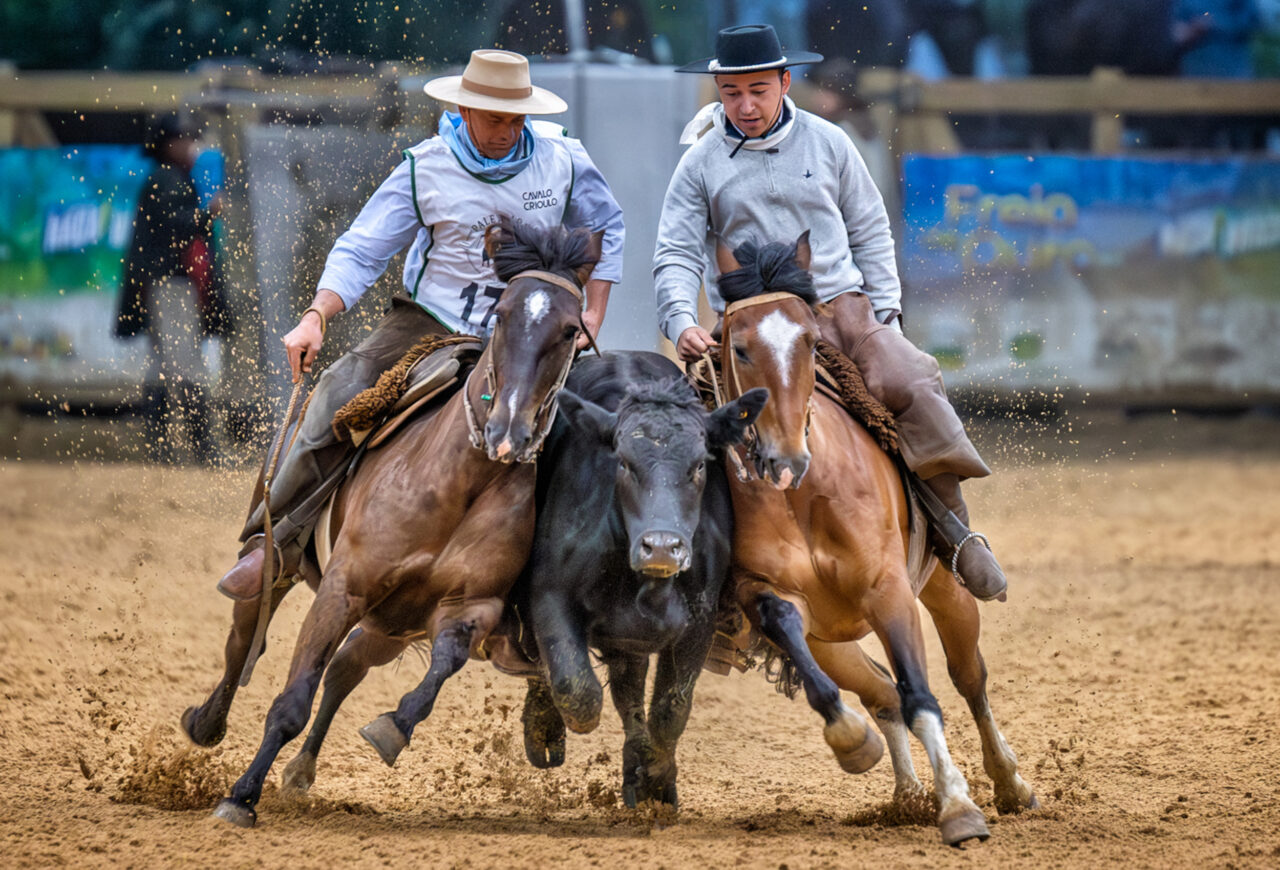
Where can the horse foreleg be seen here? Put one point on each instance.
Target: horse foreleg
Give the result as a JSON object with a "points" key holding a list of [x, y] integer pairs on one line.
{"points": [[626, 687], [678, 670], [391, 732], [331, 616], [857, 748], [897, 623], [206, 724], [352, 662], [854, 671], [543, 727], [955, 614]]}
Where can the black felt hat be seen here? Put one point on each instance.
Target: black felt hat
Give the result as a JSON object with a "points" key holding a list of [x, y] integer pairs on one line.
{"points": [[748, 48]]}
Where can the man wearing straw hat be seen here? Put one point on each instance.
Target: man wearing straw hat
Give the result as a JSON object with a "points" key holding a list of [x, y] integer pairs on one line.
{"points": [[761, 169], [486, 160]]}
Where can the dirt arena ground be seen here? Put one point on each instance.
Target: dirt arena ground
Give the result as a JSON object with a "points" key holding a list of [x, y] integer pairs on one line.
{"points": [[1135, 670]]}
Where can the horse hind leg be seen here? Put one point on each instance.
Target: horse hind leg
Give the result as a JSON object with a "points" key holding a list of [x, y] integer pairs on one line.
{"points": [[898, 624], [856, 746], [390, 733], [955, 614], [854, 671], [352, 662], [206, 724]]}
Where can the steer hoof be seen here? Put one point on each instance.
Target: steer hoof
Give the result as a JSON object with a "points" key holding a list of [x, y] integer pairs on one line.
{"points": [[385, 736], [300, 774], [856, 746], [236, 813], [968, 824], [544, 755]]}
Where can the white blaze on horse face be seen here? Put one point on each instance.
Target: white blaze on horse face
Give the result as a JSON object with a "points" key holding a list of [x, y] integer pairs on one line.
{"points": [[779, 333], [535, 307]]}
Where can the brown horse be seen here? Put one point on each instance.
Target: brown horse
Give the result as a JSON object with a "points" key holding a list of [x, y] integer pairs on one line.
{"points": [[433, 529], [820, 548]]}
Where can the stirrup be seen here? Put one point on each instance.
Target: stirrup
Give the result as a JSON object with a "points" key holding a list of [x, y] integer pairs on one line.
{"points": [[955, 554]]}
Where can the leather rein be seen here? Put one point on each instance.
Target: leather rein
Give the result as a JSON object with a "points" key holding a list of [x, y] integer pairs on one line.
{"points": [[728, 358], [550, 404]]}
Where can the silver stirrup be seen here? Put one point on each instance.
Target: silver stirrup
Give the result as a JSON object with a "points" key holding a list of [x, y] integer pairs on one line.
{"points": [[955, 556]]}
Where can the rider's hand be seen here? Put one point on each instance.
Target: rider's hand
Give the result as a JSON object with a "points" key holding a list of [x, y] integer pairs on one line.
{"points": [[302, 344], [591, 320], [693, 343]]}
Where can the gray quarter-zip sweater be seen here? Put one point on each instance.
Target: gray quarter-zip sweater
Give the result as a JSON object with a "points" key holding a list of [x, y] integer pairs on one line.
{"points": [[813, 180]]}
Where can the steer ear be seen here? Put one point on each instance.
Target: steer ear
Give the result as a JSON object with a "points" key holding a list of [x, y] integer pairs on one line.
{"points": [[728, 423], [588, 418]]}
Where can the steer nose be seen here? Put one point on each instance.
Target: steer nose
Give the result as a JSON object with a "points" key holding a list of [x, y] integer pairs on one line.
{"points": [[660, 554]]}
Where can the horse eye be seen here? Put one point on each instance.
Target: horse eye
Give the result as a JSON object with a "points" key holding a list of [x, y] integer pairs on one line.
{"points": [[570, 333], [740, 353]]}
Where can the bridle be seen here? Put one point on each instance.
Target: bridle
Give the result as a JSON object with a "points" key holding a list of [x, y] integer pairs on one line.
{"points": [[751, 438], [546, 412]]}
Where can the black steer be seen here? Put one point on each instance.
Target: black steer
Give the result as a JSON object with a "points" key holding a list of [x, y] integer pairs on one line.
{"points": [[629, 557]]}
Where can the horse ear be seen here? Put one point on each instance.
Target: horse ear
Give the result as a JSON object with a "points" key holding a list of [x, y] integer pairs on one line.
{"points": [[595, 249], [495, 236], [728, 424], [803, 252], [587, 417], [725, 260]]}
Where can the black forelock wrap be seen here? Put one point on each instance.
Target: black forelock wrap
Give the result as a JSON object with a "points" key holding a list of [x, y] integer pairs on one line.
{"points": [[768, 268], [522, 247]]}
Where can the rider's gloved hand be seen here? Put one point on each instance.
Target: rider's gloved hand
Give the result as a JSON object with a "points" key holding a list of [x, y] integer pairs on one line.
{"points": [[693, 343]]}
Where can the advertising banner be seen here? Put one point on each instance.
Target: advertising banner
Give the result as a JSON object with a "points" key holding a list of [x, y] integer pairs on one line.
{"points": [[1139, 277]]}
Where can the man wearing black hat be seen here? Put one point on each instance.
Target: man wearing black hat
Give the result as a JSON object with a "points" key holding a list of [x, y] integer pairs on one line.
{"points": [[762, 169]]}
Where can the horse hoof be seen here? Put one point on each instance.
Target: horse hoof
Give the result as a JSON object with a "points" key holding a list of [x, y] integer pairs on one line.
{"points": [[236, 813], [300, 774], [190, 728], [385, 736], [856, 746], [962, 827]]}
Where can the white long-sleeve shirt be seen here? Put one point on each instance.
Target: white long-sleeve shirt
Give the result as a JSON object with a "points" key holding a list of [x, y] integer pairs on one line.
{"points": [[433, 204], [814, 179]]}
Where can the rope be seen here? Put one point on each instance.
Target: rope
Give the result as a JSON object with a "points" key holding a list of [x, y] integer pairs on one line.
{"points": [[269, 545]]}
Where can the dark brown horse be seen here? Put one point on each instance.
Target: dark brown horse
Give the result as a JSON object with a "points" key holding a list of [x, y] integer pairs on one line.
{"points": [[820, 550], [432, 530]]}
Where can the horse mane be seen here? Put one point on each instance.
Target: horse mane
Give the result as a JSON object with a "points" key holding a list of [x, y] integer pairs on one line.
{"points": [[675, 392], [767, 268], [560, 249]]}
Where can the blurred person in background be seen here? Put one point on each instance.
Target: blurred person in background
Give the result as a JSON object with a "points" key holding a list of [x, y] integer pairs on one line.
{"points": [[1223, 32], [869, 34], [760, 169], [171, 293], [486, 160]]}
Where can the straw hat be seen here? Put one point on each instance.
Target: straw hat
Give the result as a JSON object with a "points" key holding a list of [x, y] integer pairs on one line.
{"points": [[748, 48], [496, 81]]}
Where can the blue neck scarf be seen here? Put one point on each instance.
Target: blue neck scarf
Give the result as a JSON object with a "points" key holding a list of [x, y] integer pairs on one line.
{"points": [[453, 130]]}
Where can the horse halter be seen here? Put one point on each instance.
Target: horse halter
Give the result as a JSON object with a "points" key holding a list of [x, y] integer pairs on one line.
{"points": [[751, 440], [550, 403]]}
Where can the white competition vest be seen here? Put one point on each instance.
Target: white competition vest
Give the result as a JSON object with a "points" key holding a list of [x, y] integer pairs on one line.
{"points": [[447, 271]]}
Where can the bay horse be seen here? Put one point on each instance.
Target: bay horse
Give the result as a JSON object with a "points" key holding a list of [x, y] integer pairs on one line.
{"points": [[629, 559], [820, 548], [432, 530]]}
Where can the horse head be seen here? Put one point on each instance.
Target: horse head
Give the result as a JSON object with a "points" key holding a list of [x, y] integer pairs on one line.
{"points": [[768, 340], [662, 439], [537, 322]]}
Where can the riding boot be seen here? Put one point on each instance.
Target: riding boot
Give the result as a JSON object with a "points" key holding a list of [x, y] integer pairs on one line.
{"points": [[157, 446], [966, 553]]}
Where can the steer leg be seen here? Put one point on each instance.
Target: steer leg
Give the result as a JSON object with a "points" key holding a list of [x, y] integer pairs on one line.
{"points": [[855, 745], [543, 727], [955, 613], [626, 685], [678, 670], [362, 651], [391, 732], [896, 621], [562, 645]]}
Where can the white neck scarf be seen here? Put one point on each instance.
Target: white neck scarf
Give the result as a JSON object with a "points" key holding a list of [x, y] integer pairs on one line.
{"points": [[712, 114]]}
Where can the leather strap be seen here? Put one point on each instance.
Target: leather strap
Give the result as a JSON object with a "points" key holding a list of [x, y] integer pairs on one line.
{"points": [[552, 278]]}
